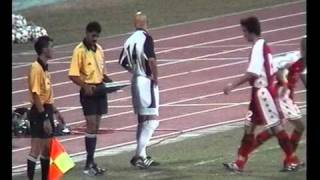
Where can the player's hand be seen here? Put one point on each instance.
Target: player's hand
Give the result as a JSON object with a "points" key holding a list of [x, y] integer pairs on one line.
{"points": [[106, 79], [59, 117], [89, 89], [47, 127], [155, 81], [227, 89], [283, 91]]}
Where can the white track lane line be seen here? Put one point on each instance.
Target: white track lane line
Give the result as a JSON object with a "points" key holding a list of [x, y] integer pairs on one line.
{"points": [[224, 52]]}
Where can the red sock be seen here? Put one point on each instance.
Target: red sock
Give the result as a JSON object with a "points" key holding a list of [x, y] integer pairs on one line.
{"points": [[295, 138], [261, 138], [286, 146], [246, 145]]}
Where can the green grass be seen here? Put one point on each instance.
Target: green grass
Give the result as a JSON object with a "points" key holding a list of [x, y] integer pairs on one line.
{"points": [[179, 161], [65, 21]]}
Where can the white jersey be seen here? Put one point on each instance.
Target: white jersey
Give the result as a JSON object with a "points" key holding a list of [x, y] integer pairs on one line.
{"points": [[260, 64], [136, 51], [284, 60]]}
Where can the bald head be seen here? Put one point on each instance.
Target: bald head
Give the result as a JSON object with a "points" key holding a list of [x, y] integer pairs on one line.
{"points": [[140, 20]]}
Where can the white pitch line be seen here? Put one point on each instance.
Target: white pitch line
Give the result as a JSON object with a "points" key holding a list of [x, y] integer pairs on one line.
{"points": [[227, 46], [169, 63], [160, 137], [187, 34], [128, 97], [160, 60], [131, 126], [161, 120], [206, 104], [206, 59], [168, 105]]}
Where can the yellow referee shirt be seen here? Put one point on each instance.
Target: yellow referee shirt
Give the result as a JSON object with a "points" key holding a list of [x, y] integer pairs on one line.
{"points": [[39, 82], [87, 64]]}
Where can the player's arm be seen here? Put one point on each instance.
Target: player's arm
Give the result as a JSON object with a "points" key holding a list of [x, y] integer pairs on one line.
{"points": [[58, 114], [35, 88], [35, 78], [74, 72], [253, 70], [303, 77], [37, 102], [151, 55], [124, 62], [87, 88], [154, 69], [243, 79], [282, 75]]}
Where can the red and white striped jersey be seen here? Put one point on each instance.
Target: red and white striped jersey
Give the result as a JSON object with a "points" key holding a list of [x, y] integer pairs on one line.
{"points": [[260, 64]]}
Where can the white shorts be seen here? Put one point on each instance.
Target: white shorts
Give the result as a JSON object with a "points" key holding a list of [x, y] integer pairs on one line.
{"points": [[289, 109], [145, 96], [262, 109]]}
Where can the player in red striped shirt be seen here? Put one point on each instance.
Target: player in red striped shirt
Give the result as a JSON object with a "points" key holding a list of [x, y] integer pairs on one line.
{"points": [[262, 110], [288, 75]]}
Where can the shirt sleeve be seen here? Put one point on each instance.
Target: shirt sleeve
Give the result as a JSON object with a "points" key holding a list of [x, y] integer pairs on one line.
{"points": [[256, 59], [75, 64], [123, 60], [35, 81], [149, 47]]}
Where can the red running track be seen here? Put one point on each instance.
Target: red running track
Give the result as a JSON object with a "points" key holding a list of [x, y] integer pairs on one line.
{"points": [[196, 60]]}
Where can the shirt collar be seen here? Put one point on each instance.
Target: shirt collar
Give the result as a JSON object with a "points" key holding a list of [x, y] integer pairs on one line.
{"points": [[141, 29], [42, 64], [88, 46]]}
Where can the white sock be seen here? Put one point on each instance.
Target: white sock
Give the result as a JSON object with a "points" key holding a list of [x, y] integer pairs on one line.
{"points": [[139, 128], [147, 130]]}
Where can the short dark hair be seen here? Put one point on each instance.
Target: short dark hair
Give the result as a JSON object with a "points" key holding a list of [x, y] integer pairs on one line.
{"points": [[42, 42], [252, 25], [93, 26]]}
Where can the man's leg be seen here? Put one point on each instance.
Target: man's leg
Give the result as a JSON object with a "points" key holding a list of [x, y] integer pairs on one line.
{"points": [[44, 158], [90, 138], [140, 145], [285, 144], [32, 157], [149, 125], [262, 137], [247, 142], [139, 127], [297, 133]]}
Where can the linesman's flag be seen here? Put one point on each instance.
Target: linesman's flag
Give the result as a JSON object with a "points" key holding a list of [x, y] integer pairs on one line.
{"points": [[60, 162]]}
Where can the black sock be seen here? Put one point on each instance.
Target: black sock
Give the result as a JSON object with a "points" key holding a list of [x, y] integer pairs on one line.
{"points": [[44, 167], [91, 141], [31, 165]]}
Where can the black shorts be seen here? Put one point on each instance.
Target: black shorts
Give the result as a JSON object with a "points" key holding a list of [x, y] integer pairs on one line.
{"points": [[93, 105], [36, 124]]}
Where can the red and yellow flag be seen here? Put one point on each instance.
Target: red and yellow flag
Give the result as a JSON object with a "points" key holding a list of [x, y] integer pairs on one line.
{"points": [[60, 162]]}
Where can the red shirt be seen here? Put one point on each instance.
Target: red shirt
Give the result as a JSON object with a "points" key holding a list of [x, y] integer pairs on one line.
{"points": [[294, 74]]}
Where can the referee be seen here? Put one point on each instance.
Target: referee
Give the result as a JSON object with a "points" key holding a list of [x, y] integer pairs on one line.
{"points": [[87, 71], [42, 109]]}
